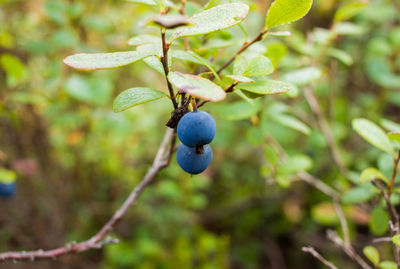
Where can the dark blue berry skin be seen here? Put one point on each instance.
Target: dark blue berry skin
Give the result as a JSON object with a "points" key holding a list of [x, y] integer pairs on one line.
{"points": [[192, 162], [196, 128], [7, 190]]}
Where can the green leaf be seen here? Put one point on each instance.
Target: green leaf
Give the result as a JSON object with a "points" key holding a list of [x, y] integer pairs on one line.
{"points": [[296, 164], [95, 61], [239, 78], [348, 28], [213, 19], [292, 123], [239, 65], [96, 90], [341, 55], [238, 110], [14, 68], [372, 254], [325, 214], [7, 176], [372, 173], [359, 194], [395, 136], [143, 39], [349, 10], [197, 86], [265, 86], [206, 63], [396, 239], [387, 265], [302, 76], [373, 134], [154, 62], [135, 96], [379, 221], [258, 66], [286, 11]]}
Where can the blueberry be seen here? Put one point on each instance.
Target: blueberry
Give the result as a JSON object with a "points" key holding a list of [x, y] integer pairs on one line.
{"points": [[7, 189], [191, 161], [196, 128]]}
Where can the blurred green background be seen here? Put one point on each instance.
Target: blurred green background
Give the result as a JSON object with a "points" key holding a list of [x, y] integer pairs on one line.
{"points": [[76, 160]]}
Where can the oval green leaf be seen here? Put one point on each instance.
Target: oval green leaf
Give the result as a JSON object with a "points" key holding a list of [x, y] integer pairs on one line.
{"points": [[135, 96], [7, 176], [373, 134], [265, 86], [197, 86], [388, 265], [95, 61], [286, 11], [396, 239], [379, 221], [372, 173], [258, 66], [372, 254], [213, 19]]}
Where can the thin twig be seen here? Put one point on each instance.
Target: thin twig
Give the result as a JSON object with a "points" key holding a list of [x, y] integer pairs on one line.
{"points": [[326, 131], [319, 184], [395, 168], [394, 224], [161, 161], [319, 257], [332, 235], [164, 61], [244, 47]]}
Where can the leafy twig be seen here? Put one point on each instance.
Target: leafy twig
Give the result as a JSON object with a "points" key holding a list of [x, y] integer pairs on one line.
{"points": [[161, 161], [332, 235]]}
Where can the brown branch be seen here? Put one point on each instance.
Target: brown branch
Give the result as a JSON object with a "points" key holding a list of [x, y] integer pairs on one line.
{"points": [[164, 61], [394, 224], [395, 168], [244, 47], [332, 235], [319, 257], [161, 161], [319, 184]]}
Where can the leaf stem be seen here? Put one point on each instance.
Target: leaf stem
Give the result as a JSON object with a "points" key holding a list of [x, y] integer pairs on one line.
{"points": [[164, 61]]}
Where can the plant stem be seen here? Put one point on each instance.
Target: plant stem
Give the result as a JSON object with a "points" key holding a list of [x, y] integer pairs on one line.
{"points": [[396, 161], [162, 160], [164, 61], [244, 47]]}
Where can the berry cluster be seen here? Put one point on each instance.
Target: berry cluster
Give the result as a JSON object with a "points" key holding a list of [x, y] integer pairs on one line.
{"points": [[196, 130], [7, 189]]}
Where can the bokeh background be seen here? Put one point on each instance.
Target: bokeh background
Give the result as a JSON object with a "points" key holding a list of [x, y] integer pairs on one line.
{"points": [[76, 160]]}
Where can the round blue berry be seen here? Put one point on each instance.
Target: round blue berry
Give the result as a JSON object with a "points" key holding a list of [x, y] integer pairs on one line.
{"points": [[192, 162], [7, 189], [196, 128]]}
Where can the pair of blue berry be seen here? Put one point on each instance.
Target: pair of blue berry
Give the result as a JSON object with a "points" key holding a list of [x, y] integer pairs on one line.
{"points": [[196, 130], [7, 189]]}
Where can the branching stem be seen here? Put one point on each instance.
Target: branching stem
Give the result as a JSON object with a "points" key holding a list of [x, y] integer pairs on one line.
{"points": [[161, 161]]}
